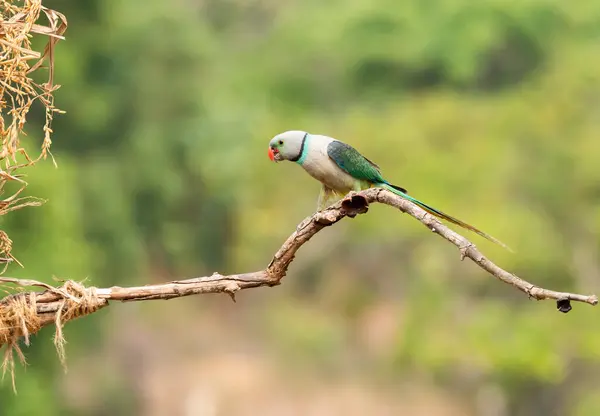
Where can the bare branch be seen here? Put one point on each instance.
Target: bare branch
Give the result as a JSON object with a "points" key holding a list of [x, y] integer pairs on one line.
{"points": [[468, 250], [24, 313]]}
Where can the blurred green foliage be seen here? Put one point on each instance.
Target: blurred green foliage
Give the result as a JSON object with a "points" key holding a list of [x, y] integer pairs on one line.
{"points": [[488, 110]]}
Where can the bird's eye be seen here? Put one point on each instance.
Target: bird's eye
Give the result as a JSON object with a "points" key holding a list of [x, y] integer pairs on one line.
{"points": [[280, 142]]}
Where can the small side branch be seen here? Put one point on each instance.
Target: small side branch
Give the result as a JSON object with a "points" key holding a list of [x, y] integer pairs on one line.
{"points": [[24, 313]]}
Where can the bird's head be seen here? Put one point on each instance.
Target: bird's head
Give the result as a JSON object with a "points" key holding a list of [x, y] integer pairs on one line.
{"points": [[286, 146]]}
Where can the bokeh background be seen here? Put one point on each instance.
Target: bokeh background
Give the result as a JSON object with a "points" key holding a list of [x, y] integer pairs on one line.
{"points": [[489, 110]]}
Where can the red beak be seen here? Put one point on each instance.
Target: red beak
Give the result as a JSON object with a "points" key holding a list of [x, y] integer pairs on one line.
{"points": [[271, 154]]}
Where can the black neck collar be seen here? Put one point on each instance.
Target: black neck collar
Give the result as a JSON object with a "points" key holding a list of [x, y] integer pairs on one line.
{"points": [[297, 158]]}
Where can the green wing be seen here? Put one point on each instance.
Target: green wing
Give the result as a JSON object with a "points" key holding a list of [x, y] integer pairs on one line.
{"points": [[353, 163]]}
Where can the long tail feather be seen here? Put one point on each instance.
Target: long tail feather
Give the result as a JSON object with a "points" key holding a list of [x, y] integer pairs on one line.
{"points": [[402, 192]]}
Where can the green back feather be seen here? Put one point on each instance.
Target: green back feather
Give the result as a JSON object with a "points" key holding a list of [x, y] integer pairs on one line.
{"points": [[353, 163]]}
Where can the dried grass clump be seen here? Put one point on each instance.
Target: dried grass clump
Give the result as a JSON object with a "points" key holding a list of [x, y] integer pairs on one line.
{"points": [[20, 21], [18, 318], [25, 313]]}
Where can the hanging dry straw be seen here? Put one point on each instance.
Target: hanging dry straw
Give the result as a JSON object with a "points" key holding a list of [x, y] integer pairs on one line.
{"points": [[20, 22]]}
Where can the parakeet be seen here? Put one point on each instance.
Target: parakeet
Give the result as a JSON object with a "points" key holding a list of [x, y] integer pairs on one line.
{"points": [[340, 168]]}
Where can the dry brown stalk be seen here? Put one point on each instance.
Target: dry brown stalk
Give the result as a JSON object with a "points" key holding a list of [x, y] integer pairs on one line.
{"points": [[19, 22], [24, 313]]}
